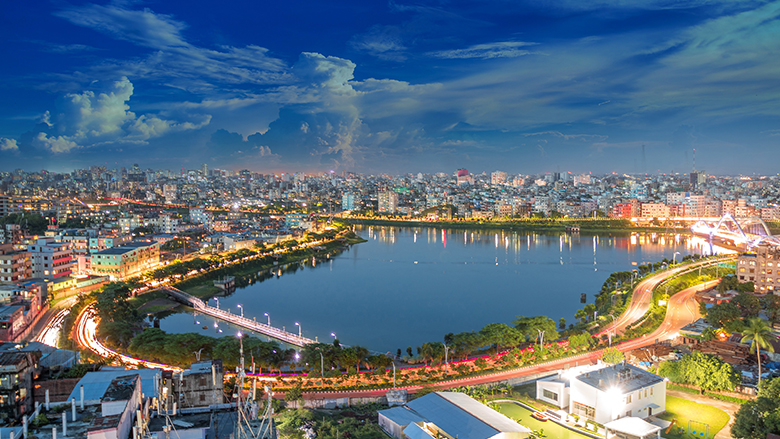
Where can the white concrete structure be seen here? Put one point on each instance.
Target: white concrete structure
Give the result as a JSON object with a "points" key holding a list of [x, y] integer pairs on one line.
{"points": [[604, 393]]}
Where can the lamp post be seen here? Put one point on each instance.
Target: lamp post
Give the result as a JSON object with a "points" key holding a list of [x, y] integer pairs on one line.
{"points": [[633, 278], [609, 334], [217, 299], [269, 318], [241, 308], [299, 328], [541, 339], [393, 374], [674, 257], [446, 351], [322, 364]]}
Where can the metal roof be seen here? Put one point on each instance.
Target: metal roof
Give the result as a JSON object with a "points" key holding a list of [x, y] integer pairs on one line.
{"points": [[459, 414], [401, 415], [96, 383], [626, 377]]}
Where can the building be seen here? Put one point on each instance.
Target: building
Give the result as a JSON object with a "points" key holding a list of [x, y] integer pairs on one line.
{"points": [[605, 393], [201, 384], [6, 205], [449, 414], [348, 201], [17, 371], [14, 265], [117, 409], [123, 262], [51, 260], [388, 201], [760, 267], [498, 177]]}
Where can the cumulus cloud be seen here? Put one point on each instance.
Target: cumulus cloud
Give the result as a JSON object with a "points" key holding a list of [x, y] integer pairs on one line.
{"points": [[89, 118], [501, 49], [8, 144]]}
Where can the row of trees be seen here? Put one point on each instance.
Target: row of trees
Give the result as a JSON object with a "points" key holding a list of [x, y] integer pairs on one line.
{"points": [[733, 315]]}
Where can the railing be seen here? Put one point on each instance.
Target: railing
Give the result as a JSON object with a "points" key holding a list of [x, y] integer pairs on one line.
{"points": [[243, 322]]}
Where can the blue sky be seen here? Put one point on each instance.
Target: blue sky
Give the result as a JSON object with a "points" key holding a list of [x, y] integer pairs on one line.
{"points": [[425, 86]]}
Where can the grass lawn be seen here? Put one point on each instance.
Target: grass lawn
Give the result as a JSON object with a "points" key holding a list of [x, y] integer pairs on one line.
{"points": [[684, 411]]}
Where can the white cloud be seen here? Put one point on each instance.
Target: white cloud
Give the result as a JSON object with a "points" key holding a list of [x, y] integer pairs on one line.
{"points": [[585, 137], [8, 144], [501, 49], [89, 119], [383, 42], [322, 71]]}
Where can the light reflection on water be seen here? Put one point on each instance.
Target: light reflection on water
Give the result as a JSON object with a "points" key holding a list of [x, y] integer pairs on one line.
{"points": [[406, 286]]}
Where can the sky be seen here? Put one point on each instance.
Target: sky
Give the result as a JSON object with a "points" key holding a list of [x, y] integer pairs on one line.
{"points": [[522, 86]]}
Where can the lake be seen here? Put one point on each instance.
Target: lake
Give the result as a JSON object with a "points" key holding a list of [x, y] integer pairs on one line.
{"points": [[407, 286]]}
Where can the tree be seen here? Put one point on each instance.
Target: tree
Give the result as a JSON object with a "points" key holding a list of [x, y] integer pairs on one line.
{"points": [[706, 371], [529, 327], [759, 335], [562, 324], [579, 340], [724, 315], [409, 351], [612, 356], [500, 333], [756, 419], [771, 306], [748, 305]]}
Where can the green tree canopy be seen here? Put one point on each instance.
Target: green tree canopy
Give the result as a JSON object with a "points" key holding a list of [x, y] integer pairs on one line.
{"points": [[706, 371], [501, 334], [725, 315], [748, 305], [612, 356], [756, 419], [529, 327]]}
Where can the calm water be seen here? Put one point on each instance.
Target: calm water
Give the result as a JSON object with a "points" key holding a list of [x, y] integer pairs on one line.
{"points": [[407, 286]]}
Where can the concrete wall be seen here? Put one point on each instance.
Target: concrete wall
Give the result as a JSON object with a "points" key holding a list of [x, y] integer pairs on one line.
{"points": [[558, 387]]}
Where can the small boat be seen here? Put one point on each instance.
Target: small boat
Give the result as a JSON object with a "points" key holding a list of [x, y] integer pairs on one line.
{"points": [[539, 416], [205, 327]]}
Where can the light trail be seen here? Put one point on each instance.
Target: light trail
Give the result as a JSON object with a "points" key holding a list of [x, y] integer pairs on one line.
{"points": [[50, 335]]}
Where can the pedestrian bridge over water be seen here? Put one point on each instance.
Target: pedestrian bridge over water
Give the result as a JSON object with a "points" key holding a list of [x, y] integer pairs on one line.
{"points": [[234, 319]]}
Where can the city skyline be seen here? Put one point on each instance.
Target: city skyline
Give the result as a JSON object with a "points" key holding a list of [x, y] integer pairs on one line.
{"points": [[393, 87]]}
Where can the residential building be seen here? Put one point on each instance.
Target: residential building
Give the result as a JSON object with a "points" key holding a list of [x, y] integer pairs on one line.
{"points": [[604, 393], [448, 414], [760, 266], [201, 384], [498, 177], [14, 265], [348, 201], [51, 260], [388, 201], [17, 372], [123, 262], [117, 409]]}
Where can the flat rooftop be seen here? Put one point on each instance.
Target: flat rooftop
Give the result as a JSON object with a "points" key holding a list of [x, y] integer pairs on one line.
{"points": [[626, 377]]}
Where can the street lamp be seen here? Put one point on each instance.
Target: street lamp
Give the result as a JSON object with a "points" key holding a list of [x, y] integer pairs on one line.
{"points": [[299, 328], [269, 318], [674, 257], [241, 308], [609, 334], [393, 363], [633, 278], [541, 339], [446, 351], [217, 299]]}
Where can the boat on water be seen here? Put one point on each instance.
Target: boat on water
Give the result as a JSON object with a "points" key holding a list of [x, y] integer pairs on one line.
{"points": [[539, 416]]}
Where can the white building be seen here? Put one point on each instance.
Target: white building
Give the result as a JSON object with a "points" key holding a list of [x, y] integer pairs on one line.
{"points": [[348, 201], [605, 393], [388, 201]]}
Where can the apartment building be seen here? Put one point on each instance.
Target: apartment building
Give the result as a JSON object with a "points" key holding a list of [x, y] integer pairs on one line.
{"points": [[15, 265]]}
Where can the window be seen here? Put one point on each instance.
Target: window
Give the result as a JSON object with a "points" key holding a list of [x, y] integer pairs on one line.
{"points": [[584, 410], [550, 395], [651, 391], [628, 399], [645, 393], [202, 397]]}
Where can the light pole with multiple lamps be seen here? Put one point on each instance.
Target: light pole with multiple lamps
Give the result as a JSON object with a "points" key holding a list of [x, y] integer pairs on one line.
{"points": [[541, 339], [241, 308], [269, 318], [674, 257], [299, 328]]}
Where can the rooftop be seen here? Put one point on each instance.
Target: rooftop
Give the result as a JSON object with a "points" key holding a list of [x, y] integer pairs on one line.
{"points": [[625, 376], [121, 388]]}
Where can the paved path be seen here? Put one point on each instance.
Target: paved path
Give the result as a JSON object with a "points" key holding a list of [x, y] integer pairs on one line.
{"points": [[728, 407]]}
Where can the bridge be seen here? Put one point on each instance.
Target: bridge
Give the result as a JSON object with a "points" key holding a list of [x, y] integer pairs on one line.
{"points": [[234, 319], [736, 233]]}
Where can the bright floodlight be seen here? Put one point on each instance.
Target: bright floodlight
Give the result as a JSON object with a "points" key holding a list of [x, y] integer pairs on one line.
{"points": [[239, 334]]}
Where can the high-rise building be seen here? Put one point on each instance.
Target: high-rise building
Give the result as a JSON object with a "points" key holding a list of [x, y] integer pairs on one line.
{"points": [[388, 201], [348, 201], [14, 265], [204, 169], [498, 177]]}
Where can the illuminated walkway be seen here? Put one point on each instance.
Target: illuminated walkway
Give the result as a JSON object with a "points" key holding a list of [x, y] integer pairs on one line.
{"points": [[236, 320]]}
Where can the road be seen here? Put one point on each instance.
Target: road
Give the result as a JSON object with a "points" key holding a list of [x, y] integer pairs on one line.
{"points": [[682, 310]]}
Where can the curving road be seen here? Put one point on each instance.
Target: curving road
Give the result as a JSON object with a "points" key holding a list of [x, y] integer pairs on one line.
{"points": [[682, 310]]}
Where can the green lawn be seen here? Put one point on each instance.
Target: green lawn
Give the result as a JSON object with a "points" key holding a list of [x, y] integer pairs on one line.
{"points": [[684, 411]]}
